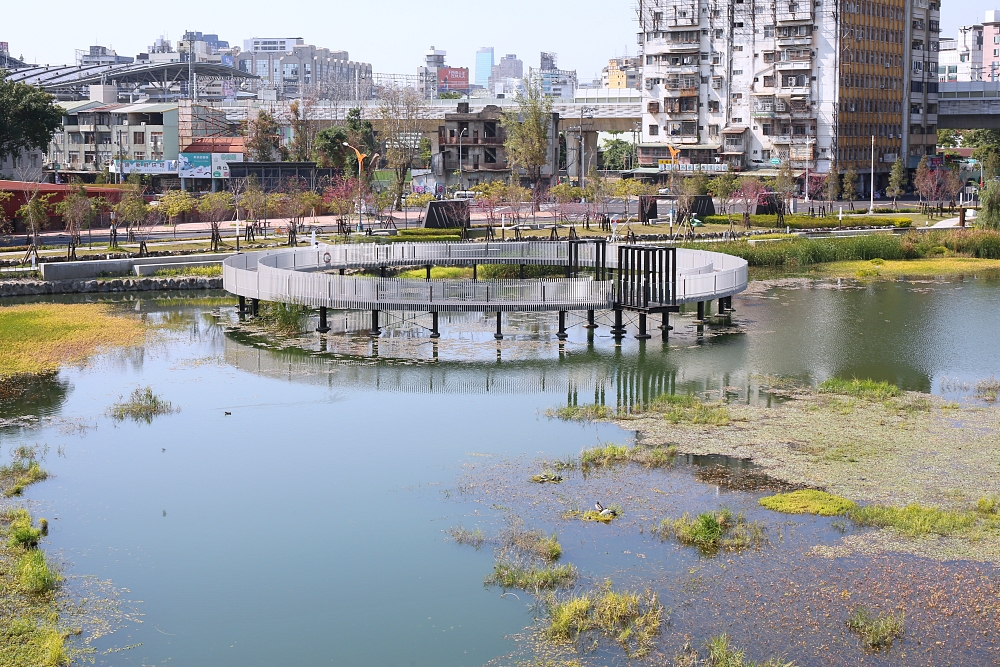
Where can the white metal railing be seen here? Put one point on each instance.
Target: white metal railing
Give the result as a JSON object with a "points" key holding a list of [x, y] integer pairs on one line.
{"points": [[300, 276]]}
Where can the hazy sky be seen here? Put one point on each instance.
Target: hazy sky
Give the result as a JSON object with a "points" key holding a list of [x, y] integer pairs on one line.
{"points": [[390, 34]]}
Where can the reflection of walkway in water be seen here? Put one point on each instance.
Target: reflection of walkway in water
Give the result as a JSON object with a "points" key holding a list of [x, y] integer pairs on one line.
{"points": [[584, 374]]}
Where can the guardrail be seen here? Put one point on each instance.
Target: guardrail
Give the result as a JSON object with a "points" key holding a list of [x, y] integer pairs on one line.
{"points": [[302, 277]]}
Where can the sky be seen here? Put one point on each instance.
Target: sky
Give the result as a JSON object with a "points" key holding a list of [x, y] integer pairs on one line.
{"points": [[391, 34]]}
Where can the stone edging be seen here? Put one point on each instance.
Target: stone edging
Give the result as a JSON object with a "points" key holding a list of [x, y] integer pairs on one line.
{"points": [[38, 287]]}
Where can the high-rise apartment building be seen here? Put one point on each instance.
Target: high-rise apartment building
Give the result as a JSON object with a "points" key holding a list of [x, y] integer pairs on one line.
{"points": [[754, 84], [484, 66], [427, 75], [991, 48]]}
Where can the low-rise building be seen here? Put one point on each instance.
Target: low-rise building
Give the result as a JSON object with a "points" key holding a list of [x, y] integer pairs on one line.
{"points": [[622, 72], [292, 69], [101, 55]]}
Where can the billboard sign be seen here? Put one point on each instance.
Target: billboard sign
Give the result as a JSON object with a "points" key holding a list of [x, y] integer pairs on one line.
{"points": [[195, 165], [220, 163], [143, 166], [453, 78]]}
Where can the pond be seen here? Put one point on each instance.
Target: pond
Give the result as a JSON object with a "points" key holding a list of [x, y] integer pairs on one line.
{"points": [[296, 509]]}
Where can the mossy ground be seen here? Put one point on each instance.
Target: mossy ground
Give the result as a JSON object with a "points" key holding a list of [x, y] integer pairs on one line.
{"points": [[894, 269], [40, 337], [871, 444], [808, 501]]}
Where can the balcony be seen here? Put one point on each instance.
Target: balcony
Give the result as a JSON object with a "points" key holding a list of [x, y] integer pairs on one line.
{"points": [[733, 148], [470, 141], [794, 139], [792, 91], [801, 12], [796, 64], [797, 40]]}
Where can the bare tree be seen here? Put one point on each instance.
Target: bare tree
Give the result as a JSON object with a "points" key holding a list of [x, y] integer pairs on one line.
{"points": [[398, 127]]}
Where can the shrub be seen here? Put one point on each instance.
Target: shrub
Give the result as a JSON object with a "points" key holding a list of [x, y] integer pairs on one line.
{"points": [[20, 532], [712, 532]]}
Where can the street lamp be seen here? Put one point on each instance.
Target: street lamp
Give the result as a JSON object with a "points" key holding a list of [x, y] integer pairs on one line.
{"points": [[583, 151], [361, 160], [460, 134]]}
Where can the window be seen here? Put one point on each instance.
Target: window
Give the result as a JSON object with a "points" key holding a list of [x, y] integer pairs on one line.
{"points": [[490, 155], [713, 106], [737, 96], [769, 81], [737, 121], [765, 154], [737, 72], [654, 130], [719, 33], [137, 138], [156, 140], [918, 66], [713, 130], [716, 59], [138, 155], [769, 31], [765, 129], [738, 47]]}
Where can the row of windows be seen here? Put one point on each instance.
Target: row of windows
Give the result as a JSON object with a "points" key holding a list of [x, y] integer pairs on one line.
{"points": [[869, 106], [872, 58], [871, 82], [871, 130]]}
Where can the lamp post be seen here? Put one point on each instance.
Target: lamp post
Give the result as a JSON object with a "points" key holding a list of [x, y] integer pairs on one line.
{"points": [[361, 160], [583, 150], [460, 134], [871, 203]]}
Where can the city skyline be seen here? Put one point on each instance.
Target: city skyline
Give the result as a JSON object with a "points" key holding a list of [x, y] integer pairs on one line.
{"points": [[406, 35]]}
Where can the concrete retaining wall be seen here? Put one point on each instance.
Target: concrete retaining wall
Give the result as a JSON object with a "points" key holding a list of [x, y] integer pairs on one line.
{"points": [[93, 268], [39, 287]]}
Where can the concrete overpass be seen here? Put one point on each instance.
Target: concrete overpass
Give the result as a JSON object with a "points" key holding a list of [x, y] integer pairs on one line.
{"points": [[969, 105]]}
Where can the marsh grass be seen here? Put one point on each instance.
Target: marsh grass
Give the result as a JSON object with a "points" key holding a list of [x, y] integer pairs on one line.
{"points": [[207, 271], [916, 520], [142, 405], [876, 632], [284, 318], [581, 413], [473, 538], [630, 619], [31, 641], [547, 477], [712, 532], [685, 409], [40, 337], [656, 456], [531, 578], [865, 389], [808, 501], [21, 534], [34, 575], [22, 471], [988, 389], [721, 653]]}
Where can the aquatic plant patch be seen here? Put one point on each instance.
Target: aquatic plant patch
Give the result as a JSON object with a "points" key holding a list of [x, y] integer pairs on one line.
{"points": [[23, 470], [588, 412], [141, 406], [867, 389], [712, 532], [808, 501], [473, 538], [611, 454], [720, 652], [629, 618], [40, 337], [531, 578], [915, 520], [877, 631]]}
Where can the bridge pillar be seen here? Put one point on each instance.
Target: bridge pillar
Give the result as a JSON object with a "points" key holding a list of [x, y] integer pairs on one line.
{"points": [[428, 268], [561, 334], [341, 272], [573, 154], [475, 272], [642, 335], [322, 328], [665, 325], [618, 330], [434, 325], [701, 313], [590, 321], [499, 334], [520, 271], [375, 330], [243, 305], [254, 307]]}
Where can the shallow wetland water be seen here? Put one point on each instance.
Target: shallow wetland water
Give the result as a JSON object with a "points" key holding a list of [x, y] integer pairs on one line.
{"points": [[310, 525]]}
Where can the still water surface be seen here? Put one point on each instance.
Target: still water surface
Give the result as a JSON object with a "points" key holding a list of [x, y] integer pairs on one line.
{"points": [[308, 527]]}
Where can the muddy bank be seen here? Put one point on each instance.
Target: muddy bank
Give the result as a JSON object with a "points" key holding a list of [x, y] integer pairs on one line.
{"points": [[41, 287]]}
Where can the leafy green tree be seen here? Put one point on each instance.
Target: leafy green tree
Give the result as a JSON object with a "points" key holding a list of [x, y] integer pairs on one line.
{"points": [[398, 123], [897, 180], [425, 152], [131, 210], [361, 135], [29, 117], [35, 214], [749, 190], [722, 188], [617, 154], [986, 145], [949, 138], [176, 203], [989, 211], [450, 95], [527, 129], [785, 184], [330, 149]]}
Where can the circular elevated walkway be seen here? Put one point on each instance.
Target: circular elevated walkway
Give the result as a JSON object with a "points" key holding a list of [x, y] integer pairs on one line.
{"points": [[312, 277]]}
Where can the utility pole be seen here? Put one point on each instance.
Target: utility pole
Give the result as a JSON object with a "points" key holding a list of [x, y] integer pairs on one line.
{"points": [[871, 204]]}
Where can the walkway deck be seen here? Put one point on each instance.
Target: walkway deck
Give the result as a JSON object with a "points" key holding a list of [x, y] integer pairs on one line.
{"points": [[308, 277]]}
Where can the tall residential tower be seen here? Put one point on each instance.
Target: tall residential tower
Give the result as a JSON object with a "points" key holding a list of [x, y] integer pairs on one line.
{"points": [[753, 84]]}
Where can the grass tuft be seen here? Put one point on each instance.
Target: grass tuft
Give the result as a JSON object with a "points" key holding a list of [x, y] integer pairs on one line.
{"points": [[27, 641], [473, 538], [721, 653], [876, 632], [34, 576], [988, 389], [808, 501], [285, 318], [533, 578], [630, 619], [22, 471], [20, 533], [917, 520], [657, 456], [581, 413], [867, 389], [712, 532], [141, 406]]}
